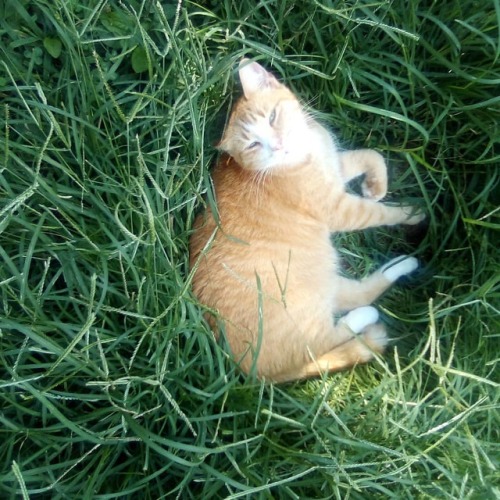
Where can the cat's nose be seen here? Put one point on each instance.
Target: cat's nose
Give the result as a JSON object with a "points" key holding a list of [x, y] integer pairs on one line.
{"points": [[276, 144]]}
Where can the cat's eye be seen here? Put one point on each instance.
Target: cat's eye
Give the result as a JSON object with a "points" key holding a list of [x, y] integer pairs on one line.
{"points": [[254, 145], [272, 117]]}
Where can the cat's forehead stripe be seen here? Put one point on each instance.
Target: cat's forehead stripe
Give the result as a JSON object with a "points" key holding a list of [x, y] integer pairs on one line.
{"points": [[254, 115]]}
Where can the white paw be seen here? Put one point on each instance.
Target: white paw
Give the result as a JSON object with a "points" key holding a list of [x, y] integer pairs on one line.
{"points": [[398, 267], [358, 319]]}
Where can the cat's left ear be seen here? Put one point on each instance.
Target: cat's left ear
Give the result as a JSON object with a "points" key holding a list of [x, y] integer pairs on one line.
{"points": [[255, 78]]}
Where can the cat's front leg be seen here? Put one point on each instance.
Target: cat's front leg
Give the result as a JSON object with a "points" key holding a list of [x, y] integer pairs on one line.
{"points": [[368, 162], [349, 213]]}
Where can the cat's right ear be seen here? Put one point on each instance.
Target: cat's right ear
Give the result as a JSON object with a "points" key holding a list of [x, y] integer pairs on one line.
{"points": [[254, 78]]}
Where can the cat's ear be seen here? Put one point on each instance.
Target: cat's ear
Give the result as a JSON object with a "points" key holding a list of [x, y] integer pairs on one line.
{"points": [[255, 78]]}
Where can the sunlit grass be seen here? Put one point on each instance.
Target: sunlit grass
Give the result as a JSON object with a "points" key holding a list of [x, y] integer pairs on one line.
{"points": [[112, 385]]}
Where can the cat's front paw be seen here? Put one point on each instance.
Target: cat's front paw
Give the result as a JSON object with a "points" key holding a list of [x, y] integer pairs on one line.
{"points": [[374, 188], [414, 215], [400, 266]]}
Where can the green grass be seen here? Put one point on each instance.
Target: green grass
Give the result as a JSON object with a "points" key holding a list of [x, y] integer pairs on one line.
{"points": [[111, 383]]}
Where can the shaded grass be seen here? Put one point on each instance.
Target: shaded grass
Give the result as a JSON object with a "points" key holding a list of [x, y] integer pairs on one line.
{"points": [[112, 385]]}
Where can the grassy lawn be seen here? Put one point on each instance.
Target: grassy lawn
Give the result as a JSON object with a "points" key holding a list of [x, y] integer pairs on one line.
{"points": [[112, 385]]}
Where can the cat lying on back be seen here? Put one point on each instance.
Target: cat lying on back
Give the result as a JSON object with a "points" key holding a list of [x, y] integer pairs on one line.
{"points": [[268, 267]]}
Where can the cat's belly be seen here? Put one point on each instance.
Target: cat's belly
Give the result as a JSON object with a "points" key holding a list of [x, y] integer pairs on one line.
{"points": [[278, 271]]}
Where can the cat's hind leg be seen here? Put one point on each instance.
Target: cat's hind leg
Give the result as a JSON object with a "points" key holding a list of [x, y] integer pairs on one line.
{"points": [[358, 349], [357, 336], [358, 331], [353, 293]]}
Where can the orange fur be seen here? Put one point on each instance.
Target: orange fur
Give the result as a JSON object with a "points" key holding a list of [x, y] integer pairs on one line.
{"points": [[269, 268]]}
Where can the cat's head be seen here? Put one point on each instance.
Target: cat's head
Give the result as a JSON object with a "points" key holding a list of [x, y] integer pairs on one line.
{"points": [[268, 128]]}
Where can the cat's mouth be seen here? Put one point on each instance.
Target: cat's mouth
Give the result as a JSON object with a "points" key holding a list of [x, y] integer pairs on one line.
{"points": [[280, 157]]}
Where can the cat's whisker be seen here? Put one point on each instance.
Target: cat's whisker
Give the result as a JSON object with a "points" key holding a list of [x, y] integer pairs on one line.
{"points": [[309, 104], [259, 182]]}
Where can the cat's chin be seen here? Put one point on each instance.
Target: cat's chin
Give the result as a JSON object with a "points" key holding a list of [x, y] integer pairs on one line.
{"points": [[285, 164], [289, 159]]}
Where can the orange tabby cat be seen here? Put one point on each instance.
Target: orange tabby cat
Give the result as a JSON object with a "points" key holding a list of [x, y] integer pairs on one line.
{"points": [[265, 262]]}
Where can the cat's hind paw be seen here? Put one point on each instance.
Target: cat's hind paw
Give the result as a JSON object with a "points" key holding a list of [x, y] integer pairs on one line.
{"points": [[400, 266], [375, 337], [358, 319]]}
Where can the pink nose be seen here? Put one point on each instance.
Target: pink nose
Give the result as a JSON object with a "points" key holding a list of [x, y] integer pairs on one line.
{"points": [[276, 145]]}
